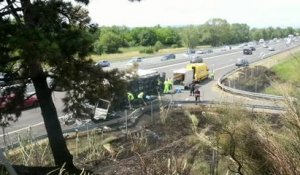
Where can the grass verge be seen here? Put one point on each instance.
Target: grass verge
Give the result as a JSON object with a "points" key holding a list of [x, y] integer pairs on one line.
{"points": [[285, 66]]}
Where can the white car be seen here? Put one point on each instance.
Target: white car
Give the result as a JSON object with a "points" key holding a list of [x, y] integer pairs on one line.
{"points": [[133, 62], [200, 52], [271, 48], [137, 59]]}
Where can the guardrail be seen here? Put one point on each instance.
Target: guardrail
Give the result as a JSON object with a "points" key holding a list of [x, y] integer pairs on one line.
{"points": [[139, 112], [247, 93], [13, 137]]}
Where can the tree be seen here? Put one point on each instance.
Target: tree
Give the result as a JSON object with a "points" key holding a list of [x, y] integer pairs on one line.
{"points": [[147, 37], [217, 32], [109, 42], [256, 34], [240, 33], [167, 36], [47, 35], [190, 37]]}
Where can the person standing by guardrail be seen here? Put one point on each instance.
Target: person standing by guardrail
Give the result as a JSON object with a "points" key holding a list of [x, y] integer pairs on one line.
{"points": [[197, 95], [192, 90], [212, 75]]}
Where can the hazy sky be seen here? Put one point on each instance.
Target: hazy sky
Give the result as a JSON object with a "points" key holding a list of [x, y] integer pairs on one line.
{"points": [[255, 13]]}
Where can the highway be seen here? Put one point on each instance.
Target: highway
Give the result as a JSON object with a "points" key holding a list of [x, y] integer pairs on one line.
{"points": [[219, 61]]}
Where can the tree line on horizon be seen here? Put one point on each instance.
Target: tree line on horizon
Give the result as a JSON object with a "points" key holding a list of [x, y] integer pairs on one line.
{"points": [[214, 32]]}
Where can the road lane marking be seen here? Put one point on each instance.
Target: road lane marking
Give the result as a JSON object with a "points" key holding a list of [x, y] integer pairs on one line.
{"points": [[189, 61], [224, 67], [27, 127]]}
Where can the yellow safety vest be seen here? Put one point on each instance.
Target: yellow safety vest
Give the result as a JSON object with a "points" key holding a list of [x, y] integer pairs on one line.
{"points": [[141, 95], [130, 96]]}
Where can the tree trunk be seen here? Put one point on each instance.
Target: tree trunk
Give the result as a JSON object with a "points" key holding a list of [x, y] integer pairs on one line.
{"points": [[57, 142]]}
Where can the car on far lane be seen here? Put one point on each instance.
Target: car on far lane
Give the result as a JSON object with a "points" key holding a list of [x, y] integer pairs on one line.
{"points": [[137, 59], [252, 48], [241, 62], [271, 48], [208, 51], [168, 57], [133, 61], [190, 51], [196, 59], [103, 63], [264, 46], [247, 51], [200, 52]]}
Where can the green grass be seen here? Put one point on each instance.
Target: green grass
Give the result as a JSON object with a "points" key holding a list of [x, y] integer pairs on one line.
{"points": [[272, 90], [288, 71], [288, 75], [127, 53]]}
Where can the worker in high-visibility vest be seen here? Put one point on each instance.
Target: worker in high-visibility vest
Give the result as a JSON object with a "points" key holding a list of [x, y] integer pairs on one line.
{"points": [[130, 98], [170, 81], [141, 98], [212, 75], [166, 87]]}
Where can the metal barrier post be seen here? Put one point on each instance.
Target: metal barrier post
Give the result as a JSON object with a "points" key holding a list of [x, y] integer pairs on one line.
{"points": [[126, 121], [4, 136], [152, 111], [8, 166]]}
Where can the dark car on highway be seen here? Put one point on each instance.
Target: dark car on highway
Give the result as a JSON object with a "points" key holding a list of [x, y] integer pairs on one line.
{"points": [[241, 62], [168, 57], [247, 51], [196, 59], [103, 63], [190, 51], [208, 51], [252, 48]]}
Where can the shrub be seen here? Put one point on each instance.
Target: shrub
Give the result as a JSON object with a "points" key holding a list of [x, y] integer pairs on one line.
{"points": [[174, 45], [158, 45], [147, 50]]}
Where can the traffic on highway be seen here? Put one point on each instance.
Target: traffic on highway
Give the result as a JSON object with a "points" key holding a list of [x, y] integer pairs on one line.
{"points": [[216, 60]]}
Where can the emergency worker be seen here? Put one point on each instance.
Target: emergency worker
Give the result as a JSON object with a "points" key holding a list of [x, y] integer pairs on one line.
{"points": [[212, 75], [170, 82], [141, 98], [166, 87], [130, 98]]}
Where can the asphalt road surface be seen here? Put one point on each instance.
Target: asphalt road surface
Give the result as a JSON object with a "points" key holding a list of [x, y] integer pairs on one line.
{"points": [[219, 61]]}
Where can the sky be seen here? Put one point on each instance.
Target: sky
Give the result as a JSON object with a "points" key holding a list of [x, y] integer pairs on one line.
{"points": [[255, 13]]}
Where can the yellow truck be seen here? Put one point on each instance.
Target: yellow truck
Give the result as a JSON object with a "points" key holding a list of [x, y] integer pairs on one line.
{"points": [[200, 71]]}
